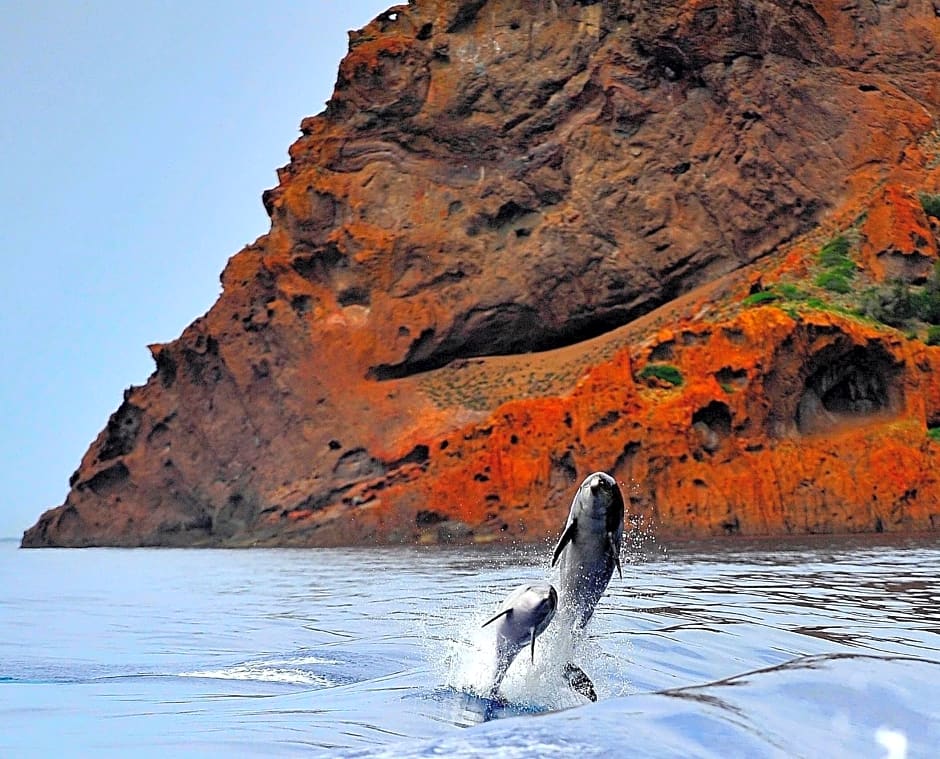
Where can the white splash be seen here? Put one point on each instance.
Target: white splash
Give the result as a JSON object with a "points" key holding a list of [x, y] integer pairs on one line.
{"points": [[893, 741]]}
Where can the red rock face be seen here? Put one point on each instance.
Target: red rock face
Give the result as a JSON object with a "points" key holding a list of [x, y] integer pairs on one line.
{"points": [[512, 222]]}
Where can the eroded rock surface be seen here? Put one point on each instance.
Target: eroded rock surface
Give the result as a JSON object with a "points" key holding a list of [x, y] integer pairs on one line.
{"points": [[475, 251]]}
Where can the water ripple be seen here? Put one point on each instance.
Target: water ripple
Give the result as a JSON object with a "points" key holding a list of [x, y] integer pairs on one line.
{"points": [[756, 648]]}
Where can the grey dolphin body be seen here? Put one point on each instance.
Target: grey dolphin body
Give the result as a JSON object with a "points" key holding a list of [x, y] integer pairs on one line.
{"points": [[522, 617], [589, 547]]}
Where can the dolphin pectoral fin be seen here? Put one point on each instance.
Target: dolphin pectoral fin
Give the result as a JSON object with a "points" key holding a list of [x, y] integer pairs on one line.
{"points": [[503, 613], [533, 645], [579, 681], [566, 537], [616, 552]]}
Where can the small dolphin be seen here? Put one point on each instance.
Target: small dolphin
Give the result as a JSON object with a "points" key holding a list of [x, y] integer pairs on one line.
{"points": [[522, 617], [589, 546]]}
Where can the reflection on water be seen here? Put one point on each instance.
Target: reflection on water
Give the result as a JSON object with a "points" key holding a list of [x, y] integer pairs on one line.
{"points": [[754, 648], [882, 597]]}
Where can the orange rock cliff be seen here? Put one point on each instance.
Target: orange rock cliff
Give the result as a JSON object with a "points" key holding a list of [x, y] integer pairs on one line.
{"points": [[689, 244]]}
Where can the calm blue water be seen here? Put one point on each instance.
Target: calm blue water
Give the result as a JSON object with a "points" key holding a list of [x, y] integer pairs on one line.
{"points": [[821, 648]]}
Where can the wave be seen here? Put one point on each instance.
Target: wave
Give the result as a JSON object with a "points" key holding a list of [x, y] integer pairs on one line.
{"points": [[303, 670]]}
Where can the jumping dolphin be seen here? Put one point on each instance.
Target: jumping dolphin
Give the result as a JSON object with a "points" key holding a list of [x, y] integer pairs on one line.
{"points": [[589, 546], [521, 618]]}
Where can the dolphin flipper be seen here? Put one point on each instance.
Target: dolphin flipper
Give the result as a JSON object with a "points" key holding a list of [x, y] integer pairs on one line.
{"points": [[566, 537], [503, 613], [615, 551], [533, 645]]}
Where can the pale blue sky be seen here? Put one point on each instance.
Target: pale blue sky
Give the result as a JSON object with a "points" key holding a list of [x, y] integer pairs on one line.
{"points": [[135, 142]]}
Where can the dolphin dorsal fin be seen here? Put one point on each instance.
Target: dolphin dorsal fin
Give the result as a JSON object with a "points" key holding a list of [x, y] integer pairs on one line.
{"points": [[533, 644], [615, 552], [503, 613], [566, 537]]}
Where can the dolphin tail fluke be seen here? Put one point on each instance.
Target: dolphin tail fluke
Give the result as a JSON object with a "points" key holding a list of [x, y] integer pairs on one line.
{"points": [[579, 681], [566, 537], [503, 613], [616, 552]]}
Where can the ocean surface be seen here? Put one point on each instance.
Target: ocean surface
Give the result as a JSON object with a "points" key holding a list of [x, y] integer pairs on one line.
{"points": [[804, 648]]}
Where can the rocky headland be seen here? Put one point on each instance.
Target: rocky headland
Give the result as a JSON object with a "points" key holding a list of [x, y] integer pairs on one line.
{"points": [[691, 244]]}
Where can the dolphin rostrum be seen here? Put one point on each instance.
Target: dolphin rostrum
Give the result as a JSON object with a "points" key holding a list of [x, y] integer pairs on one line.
{"points": [[521, 618], [589, 547]]}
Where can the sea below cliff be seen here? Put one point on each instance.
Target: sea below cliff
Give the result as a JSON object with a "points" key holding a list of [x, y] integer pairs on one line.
{"points": [[815, 647]]}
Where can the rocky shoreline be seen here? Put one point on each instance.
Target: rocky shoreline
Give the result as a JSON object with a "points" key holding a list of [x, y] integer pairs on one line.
{"points": [[694, 247]]}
